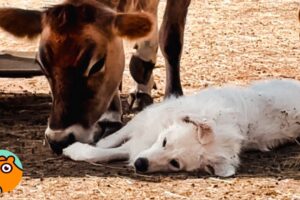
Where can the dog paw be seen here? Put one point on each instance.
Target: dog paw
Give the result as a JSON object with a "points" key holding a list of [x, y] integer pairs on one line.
{"points": [[224, 170], [77, 151]]}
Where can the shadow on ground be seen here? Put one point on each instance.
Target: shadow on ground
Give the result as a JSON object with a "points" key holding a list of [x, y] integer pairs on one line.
{"points": [[23, 119]]}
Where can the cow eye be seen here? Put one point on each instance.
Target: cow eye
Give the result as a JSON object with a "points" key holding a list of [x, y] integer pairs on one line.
{"points": [[175, 163], [6, 168], [97, 66], [164, 142]]}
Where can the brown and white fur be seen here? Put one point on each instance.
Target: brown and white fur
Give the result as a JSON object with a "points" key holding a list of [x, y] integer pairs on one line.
{"points": [[205, 131]]}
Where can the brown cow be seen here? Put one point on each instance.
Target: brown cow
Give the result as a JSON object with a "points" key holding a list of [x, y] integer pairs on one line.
{"points": [[81, 53]]}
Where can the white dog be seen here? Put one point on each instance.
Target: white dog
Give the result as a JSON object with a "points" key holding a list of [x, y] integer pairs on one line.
{"points": [[204, 131]]}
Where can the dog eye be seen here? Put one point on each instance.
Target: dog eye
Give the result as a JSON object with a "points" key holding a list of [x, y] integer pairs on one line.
{"points": [[164, 142], [175, 163], [97, 66]]}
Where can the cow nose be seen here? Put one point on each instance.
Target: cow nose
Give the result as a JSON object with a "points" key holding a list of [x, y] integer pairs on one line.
{"points": [[58, 146], [141, 165]]}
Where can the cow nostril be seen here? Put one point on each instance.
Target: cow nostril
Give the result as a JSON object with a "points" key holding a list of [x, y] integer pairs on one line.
{"points": [[58, 146], [71, 138], [55, 147], [141, 164]]}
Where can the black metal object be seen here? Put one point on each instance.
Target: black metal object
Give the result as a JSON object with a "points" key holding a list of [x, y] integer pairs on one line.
{"points": [[14, 66]]}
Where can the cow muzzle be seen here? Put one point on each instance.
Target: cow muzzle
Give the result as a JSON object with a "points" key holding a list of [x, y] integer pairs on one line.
{"points": [[60, 139], [58, 146]]}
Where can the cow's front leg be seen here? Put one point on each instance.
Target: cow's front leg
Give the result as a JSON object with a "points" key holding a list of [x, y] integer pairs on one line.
{"points": [[111, 120], [171, 43], [141, 67], [143, 62]]}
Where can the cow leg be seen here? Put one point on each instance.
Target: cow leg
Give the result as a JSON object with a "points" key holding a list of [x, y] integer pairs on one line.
{"points": [[142, 64], [141, 96], [171, 43], [111, 120]]}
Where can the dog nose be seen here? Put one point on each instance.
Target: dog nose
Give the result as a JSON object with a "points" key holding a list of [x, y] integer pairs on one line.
{"points": [[141, 164]]}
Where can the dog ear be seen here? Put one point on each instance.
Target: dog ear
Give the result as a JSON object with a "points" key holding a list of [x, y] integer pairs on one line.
{"points": [[204, 132]]}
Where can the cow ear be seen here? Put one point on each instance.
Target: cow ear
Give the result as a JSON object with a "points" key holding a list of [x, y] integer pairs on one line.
{"points": [[133, 26], [21, 23], [204, 131]]}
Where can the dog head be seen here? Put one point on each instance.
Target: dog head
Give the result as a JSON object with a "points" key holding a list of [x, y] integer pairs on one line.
{"points": [[191, 144]]}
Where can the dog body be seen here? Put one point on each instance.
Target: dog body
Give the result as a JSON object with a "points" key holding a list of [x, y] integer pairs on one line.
{"points": [[203, 131]]}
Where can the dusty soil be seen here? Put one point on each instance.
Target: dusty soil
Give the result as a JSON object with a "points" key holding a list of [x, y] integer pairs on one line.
{"points": [[226, 42]]}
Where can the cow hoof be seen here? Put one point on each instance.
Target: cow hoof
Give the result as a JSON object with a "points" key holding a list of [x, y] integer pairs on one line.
{"points": [[109, 128], [138, 101]]}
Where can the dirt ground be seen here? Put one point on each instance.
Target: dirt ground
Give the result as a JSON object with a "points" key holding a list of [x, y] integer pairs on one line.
{"points": [[226, 42]]}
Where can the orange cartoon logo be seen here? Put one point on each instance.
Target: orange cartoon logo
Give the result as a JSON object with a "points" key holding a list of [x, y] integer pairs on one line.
{"points": [[10, 171]]}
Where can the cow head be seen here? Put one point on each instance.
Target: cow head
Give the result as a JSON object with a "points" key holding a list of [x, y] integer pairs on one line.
{"points": [[81, 54]]}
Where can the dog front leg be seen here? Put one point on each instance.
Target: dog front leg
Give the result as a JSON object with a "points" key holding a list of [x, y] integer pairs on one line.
{"points": [[116, 139], [89, 153]]}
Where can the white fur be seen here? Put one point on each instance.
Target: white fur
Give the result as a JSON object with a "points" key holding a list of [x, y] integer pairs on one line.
{"points": [[260, 116]]}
